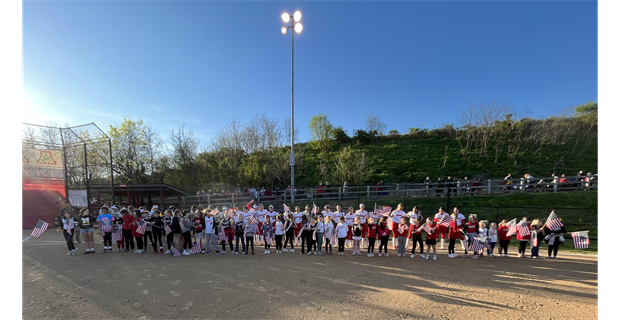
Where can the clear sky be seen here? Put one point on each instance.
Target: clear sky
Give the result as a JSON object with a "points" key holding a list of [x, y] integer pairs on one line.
{"points": [[414, 64]]}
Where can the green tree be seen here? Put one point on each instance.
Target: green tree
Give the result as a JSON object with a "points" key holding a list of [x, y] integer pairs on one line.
{"points": [[321, 131], [340, 135], [351, 166]]}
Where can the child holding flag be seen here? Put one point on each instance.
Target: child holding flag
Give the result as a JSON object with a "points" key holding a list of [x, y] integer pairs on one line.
{"points": [[67, 232], [431, 229], [402, 231], [384, 234], [372, 235], [555, 230], [342, 230], [523, 235], [504, 238], [329, 234], [290, 229], [357, 236], [535, 237]]}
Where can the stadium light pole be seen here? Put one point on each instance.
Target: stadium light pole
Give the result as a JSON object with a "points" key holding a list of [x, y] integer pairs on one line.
{"points": [[297, 27]]}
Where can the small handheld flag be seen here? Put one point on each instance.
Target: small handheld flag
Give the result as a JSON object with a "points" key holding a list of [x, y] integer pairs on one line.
{"points": [[197, 248], [447, 219], [286, 209], [175, 252], [141, 227], [118, 233], [580, 239], [382, 210], [167, 229], [512, 227], [105, 227], [315, 209], [522, 228], [553, 222], [401, 229], [476, 245], [39, 228], [71, 226], [426, 228]]}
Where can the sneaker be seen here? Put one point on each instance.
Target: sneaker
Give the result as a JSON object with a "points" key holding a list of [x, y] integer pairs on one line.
{"points": [[168, 252], [301, 252], [320, 253], [372, 254], [161, 250], [244, 253], [549, 257], [399, 255], [217, 253], [435, 258], [368, 255], [309, 253], [70, 253], [224, 251], [154, 251], [118, 250], [203, 251], [315, 253], [475, 257], [237, 252], [265, 251], [427, 256], [130, 250], [423, 256], [387, 255], [379, 254], [185, 253], [287, 250], [412, 256]]}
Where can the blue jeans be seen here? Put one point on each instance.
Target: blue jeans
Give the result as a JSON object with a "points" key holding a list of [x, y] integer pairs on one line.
{"points": [[534, 251], [237, 238], [492, 244]]}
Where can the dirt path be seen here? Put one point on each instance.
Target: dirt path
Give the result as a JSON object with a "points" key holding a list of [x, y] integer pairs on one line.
{"points": [[292, 286]]}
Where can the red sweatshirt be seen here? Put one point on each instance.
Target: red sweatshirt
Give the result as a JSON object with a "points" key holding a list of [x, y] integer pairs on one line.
{"points": [[134, 227], [372, 230], [127, 222], [501, 233], [520, 238], [472, 227], [434, 232]]}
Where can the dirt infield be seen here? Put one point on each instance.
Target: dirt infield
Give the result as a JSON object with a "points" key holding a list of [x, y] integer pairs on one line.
{"points": [[292, 286]]}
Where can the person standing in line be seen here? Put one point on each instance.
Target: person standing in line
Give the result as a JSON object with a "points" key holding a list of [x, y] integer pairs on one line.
{"points": [[127, 225], [492, 238], [210, 225], [523, 240], [268, 234], [363, 215], [227, 225], [350, 218], [504, 238], [320, 231], [86, 222], [239, 230], [535, 237], [431, 238], [170, 235], [67, 232], [415, 213], [105, 223], [148, 234], [416, 237], [134, 227], [329, 234], [297, 215], [372, 235], [384, 234], [279, 232], [157, 225], [290, 227], [342, 229], [177, 227], [357, 236], [198, 225], [441, 229], [249, 231], [396, 217]]}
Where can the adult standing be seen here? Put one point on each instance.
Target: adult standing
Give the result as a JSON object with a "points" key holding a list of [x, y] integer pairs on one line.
{"points": [[363, 215], [396, 216], [461, 222], [414, 214], [439, 216]]}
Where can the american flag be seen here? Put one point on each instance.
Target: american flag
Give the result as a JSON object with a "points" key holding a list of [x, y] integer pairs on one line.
{"points": [[426, 228], [182, 224], [553, 222], [71, 226], [476, 245], [39, 228], [141, 227], [512, 227], [101, 233], [524, 231], [315, 209], [118, 234], [383, 210], [401, 229], [167, 229], [252, 220], [447, 219], [580, 239], [175, 252], [286, 209], [105, 227], [534, 238], [197, 248]]}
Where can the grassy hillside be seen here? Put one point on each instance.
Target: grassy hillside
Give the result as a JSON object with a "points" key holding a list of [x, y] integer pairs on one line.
{"points": [[409, 159]]}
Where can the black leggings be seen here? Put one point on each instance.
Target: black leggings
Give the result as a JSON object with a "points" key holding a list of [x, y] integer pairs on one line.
{"points": [[290, 236], [450, 246], [328, 245], [187, 239], [311, 243], [149, 235], [128, 239], [341, 244], [371, 245], [417, 238], [249, 241], [384, 243], [554, 248], [157, 237], [169, 240], [503, 244], [522, 245], [69, 238], [304, 239], [139, 241], [107, 239], [279, 241]]}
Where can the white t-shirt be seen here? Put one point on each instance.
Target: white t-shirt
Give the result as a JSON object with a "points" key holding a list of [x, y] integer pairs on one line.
{"points": [[440, 216], [272, 215], [396, 215], [208, 224], [328, 214], [460, 219], [279, 227], [319, 227], [362, 214], [261, 215], [412, 215], [482, 231], [493, 235], [350, 219], [246, 216], [297, 217], [328, 228], [342, 230], [337, 216]]}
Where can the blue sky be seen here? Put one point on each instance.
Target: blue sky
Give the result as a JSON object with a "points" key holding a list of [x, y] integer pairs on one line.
{"points": [[414, 64]]}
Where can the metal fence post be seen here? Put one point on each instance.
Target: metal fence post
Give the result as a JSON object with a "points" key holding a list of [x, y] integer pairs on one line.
{"points": [[339, 193], [489, 187], [555, 184], [497, 214], [367, 192], [405, 196], [458, 188], [208, 199], [522, 187]]}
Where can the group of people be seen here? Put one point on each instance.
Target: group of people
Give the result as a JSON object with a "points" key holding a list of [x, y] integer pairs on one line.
{"points": [[316, 233]]}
